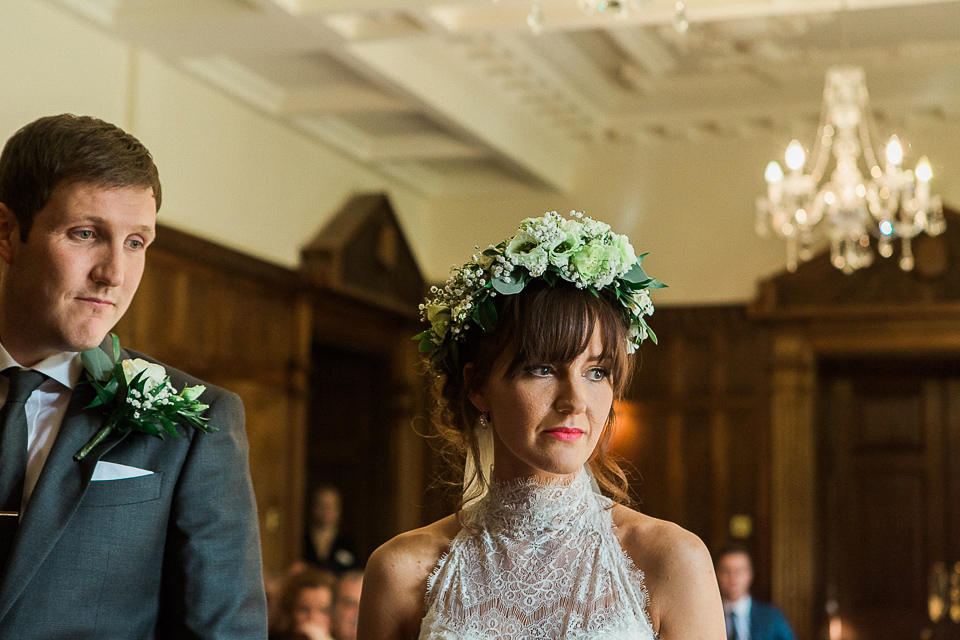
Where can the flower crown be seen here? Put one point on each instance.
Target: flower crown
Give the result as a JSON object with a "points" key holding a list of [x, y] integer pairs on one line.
{"points": [[579, 250]]}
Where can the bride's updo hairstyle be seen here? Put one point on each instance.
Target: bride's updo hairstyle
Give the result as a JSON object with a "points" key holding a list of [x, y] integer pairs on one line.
{"points": [[535, 298]]}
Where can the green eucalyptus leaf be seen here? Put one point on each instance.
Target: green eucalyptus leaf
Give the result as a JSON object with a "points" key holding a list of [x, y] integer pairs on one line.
{"points": [[115, 341], [656, 284], [510, 284], [97, 363], [487, 316], [636, 274]]}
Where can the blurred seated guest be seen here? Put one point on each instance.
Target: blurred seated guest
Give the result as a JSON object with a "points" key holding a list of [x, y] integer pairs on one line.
{"points": [[746, 618], [324, 545], [346, 605], [303, 605]]}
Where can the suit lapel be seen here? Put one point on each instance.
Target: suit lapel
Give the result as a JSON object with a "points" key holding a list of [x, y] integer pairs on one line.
{"points": [[59, 489]]}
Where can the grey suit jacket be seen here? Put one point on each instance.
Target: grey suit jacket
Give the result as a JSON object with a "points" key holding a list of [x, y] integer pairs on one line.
{"points": [[174, 554]]}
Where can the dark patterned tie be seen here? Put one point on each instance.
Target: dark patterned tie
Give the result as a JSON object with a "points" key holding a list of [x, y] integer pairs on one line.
{"points": [[13, 453]]}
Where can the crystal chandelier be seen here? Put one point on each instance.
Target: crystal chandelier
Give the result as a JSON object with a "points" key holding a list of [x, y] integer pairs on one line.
{"points": [[893, 203]]}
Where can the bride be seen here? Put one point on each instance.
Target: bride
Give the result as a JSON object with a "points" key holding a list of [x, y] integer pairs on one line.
{"points": [[529, 344]]}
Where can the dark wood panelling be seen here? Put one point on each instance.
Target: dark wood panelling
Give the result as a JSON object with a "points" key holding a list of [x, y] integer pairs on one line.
{"points": [[700, 401]]}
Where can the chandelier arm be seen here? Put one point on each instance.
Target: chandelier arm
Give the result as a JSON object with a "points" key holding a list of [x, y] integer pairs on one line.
{"points": [[866, 143], [821, 149]]}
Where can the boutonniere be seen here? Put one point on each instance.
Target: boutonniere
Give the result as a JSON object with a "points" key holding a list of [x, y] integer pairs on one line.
{"points": [[137, 396]]}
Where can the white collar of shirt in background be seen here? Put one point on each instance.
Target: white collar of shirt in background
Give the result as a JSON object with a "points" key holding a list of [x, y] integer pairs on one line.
{"points": [[740, 608], [45, 408]]}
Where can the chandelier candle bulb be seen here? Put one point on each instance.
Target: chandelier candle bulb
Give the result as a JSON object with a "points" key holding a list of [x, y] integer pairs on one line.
{"points": [[795, 156], [846, 198], [894, 154], [924, 172]]}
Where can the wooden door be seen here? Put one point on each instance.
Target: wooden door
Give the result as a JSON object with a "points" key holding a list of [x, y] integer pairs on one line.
{"points": [[890, 500], [349, 442]]}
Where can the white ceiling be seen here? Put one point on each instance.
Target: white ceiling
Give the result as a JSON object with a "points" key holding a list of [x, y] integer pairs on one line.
{"points": [[457, 95]]}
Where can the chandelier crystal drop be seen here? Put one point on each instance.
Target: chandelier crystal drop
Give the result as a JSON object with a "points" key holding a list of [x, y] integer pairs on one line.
{"points": [[848, 208]]}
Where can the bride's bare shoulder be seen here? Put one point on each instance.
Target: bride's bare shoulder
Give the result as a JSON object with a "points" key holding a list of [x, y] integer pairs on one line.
{"points": [[416, 552], [678, 573], [654, 544], [395, 581]]}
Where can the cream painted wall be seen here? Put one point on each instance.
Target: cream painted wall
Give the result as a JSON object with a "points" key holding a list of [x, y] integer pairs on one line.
{"points": [[229, 173]]}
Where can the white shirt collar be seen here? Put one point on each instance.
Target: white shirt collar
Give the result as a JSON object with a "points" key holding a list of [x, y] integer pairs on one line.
{"points": [[64, 367], [740, 607]]}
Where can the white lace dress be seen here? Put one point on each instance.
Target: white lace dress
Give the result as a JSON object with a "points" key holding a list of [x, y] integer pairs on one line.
{"points": [[542, 561]]}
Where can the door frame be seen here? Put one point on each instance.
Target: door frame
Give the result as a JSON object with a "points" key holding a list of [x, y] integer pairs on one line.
{"points": [[799, 342]]}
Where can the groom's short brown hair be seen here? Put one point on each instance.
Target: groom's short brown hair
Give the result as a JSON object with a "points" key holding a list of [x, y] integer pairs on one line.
{"points": [[68, 148]]}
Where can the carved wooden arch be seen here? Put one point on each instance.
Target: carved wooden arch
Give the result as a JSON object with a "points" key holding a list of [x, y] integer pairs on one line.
{"points": [[363, 254], [819, 312]]}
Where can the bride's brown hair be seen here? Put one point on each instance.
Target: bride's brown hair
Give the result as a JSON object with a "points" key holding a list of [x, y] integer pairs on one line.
{"points": [[541, 324]]}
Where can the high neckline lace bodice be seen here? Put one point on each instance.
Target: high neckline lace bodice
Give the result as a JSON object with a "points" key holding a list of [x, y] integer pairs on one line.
{"points": [[527, 507], [537, 561]]}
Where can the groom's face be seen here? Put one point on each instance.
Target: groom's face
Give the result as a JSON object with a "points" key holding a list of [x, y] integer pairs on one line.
{"points": [[73, 278]]}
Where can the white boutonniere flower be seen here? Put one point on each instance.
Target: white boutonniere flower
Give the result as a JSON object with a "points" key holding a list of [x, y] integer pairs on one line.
{"points": [[138, 396]]}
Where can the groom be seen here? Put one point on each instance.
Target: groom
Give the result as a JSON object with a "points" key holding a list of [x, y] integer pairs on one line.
{"points": [[143, 537]]}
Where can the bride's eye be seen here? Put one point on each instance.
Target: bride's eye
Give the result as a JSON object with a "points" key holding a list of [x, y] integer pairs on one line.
{"points": [[540, 370], [598, 374]]}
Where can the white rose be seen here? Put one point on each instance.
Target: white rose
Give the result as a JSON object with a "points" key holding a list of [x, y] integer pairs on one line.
{"points": [[153, 374]]}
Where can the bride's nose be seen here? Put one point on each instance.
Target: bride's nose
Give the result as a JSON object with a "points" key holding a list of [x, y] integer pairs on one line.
{"points": [[570, 396]]}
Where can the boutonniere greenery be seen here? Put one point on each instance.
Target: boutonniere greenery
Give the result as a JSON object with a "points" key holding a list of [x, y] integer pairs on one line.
{"points": [[137, 396]]}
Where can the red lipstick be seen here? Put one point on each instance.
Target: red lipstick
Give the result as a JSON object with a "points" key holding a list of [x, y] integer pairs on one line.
{"points": [[565, 433]]}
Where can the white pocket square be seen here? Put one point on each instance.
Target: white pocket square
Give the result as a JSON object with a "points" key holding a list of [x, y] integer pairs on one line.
{"points": [[114, 471]]}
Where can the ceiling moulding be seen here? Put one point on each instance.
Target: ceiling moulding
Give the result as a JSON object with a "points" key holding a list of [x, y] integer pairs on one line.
{"points": [[565, 15], [237, 80], [452, 91], [481, 181], [358, 26], [299, 101], [101, 11], [421, 146], [340, 135], [327, 7], [115, 13]]}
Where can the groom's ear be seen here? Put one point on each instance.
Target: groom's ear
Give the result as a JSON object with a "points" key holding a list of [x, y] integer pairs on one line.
{"points": [[9, 233]]}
